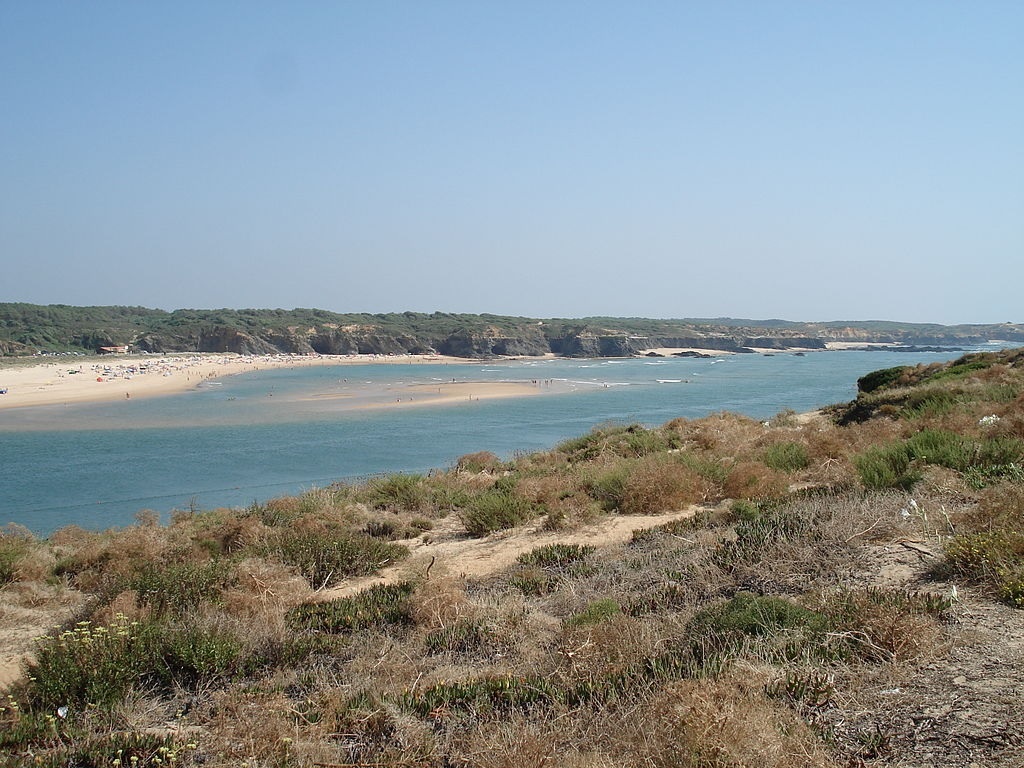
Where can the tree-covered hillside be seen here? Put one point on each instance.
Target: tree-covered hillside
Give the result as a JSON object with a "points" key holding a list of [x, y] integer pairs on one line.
{"points": [[31, 328]]}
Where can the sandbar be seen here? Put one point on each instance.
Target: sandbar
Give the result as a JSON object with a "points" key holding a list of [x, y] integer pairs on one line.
{"points": [[107, 379]]}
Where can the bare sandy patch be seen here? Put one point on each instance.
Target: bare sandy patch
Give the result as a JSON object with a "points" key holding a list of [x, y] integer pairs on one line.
{"points": [[672, 351], [448, 549]]}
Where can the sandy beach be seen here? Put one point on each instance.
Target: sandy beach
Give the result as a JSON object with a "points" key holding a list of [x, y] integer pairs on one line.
{"points": [[106, 379]]}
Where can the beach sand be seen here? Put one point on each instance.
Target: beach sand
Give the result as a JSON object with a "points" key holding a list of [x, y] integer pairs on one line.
{"points": [[109, 379]]}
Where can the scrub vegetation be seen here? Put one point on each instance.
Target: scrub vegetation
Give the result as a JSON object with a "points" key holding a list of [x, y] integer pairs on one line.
{"points": [[837, 589]]}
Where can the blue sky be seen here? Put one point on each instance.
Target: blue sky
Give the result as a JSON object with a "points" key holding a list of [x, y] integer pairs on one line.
{"points": [[797, 160]]}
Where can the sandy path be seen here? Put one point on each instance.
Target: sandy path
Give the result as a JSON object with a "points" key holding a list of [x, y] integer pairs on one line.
{"points": [[457, 554], [25, 614]]}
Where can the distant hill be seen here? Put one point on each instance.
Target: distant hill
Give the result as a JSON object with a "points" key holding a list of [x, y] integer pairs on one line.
{"points": [[27, 329]]}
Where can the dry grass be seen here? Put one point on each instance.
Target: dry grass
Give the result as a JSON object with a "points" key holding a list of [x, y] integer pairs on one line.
{"points": [[727, 722]]}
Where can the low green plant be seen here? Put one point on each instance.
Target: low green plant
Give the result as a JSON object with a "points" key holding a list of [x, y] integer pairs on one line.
{"points": [[886, 466], [409, 493], [557, 556], [327, 557], [786, 457], [495, 509], [96, 665], [762, 528], [462, 637], [12, 549], [594, 613], [484, 695], [803, 688], [376, 607], [786, 630], [180, 587], [90, 664], [992, 558]]}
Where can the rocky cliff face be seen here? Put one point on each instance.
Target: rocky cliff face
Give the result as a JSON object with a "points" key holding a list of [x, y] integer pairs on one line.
{"points": [[210, 339], [492, 343], [27, 328]]}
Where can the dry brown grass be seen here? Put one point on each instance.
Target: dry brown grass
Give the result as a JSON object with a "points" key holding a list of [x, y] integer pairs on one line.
{"points": [[753, 480], [726, 723], [660, 483]]}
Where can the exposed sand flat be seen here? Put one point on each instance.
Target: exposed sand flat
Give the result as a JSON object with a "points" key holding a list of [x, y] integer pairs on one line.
{"points": [[435, 393], [860, 344], [670, 351], [74, 380]]}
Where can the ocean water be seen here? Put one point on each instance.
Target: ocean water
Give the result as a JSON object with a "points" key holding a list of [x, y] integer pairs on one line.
{"points": [[256, 436]]}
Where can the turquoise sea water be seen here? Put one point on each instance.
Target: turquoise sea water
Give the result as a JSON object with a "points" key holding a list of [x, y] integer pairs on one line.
{"points": [[260, 435]]}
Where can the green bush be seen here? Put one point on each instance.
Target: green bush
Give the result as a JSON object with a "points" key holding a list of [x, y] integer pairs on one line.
{"points": [[376, 607], [12, 549], [493, 510], [781, 628], [886, 466], [786, 457], [594, 613], [881, 379], [943, 448], [609, 487], [557, 556], [180, 586], [90, 665], [409, 493], [98, 665], [325, 558]]}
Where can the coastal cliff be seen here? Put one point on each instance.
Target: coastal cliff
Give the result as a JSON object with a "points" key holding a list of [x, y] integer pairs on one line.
{"points": [[30, 329]]}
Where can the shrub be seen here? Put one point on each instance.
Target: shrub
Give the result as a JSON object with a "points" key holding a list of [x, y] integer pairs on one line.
{"points": [[947, 449], [594, 613], [752, 480], [12, 549], [494, 510], [658, 484], [880, 379], [90, 665], [180, 586], [557, 556], [481, 461], [992, 558], [786, 457], [327, 557], [886, 466], [884, 624], [928, 402], [376, 607], [409, 493], [726, 627], [98, 665]]}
